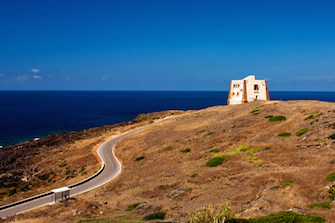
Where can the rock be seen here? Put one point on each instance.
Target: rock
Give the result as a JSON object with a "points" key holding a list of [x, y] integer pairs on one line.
{"points": [[177, 192]]}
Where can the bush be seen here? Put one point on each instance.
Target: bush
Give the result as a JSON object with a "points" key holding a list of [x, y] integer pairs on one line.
{"points": [[243, 148], [330, 176], [331, 191], [254, 150], [194, 175], [133, 206], [309, 117], [214, 150], [288, 183], [168, 148], [322, 140], [139, 158], [277, 118], [321, 205], [302, 131], [333, 127], [207, 214], [210, 133], [314, 113], [202, 131], [284, 217], [153, 216], [284, 134], [332, 136], [257, 113], [269, 116], [255, 110], [185, 150], [215, 161]]}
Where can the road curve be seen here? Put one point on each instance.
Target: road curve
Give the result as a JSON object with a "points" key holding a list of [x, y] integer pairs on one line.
{"points": [[112, 168]]}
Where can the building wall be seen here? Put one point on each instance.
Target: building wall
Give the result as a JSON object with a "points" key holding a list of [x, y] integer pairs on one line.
{"points": [[236, 91]]}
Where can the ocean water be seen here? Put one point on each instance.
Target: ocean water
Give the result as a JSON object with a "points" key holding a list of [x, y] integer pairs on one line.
{"points": [[25, 115]]}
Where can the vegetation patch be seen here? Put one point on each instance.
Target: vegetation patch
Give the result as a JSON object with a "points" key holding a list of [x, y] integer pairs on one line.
{"points": [[139, 158], [114, 219], [243, 148], [215, 161], [255, 110], [133, 206], [216, 150], [254, 150], [276, 118], [208, 214], [269, 116], [314, 113], [284, 217], [257, 113], [323, 140], [321, 205], [210, 133], [331, 191], [309, 117], [287, 183], [255, 160], [168, 148], [333, 126], [194, 175], [185, 150], [177, 207], [330, 176], [202, 131], [332, 136], [153, 216], [302, 131], [284, 134]]}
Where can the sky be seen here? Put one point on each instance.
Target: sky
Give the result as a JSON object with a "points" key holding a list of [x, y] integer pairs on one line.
{"points": [[176, 45]]}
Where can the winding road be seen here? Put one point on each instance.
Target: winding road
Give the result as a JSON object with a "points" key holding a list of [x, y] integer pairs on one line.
{"points": [[111, 167]]}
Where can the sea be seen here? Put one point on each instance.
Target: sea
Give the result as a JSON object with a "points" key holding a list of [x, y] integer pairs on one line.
{"points": [[25, 115]]}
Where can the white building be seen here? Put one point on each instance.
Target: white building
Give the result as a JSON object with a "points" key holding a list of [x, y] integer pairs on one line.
{"points": [[247, 90]]}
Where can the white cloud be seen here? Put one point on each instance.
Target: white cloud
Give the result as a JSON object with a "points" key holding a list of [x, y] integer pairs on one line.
{"points": [[34, 70], [21, 79], [326, 63], [267, 79], [37, 77], [103, 78], [2, 75]]}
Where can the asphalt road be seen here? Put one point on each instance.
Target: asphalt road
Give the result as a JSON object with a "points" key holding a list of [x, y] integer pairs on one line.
{"points": [[112, 168]]}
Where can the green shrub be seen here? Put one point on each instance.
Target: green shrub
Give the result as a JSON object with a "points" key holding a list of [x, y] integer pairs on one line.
{"points": [[255, 160], [82, 169], [208, 214], [214, 150], [139, 158], [168, 148], [257, 113], [284, 217], [243, 148], [210, 133], [330, 176], [284, 134], [309, 117], [202, 131], [321, 205], [255, 110], [153, 216], [215, 161], [302, 131], [322, 140], [63, 164], [331, 191], [277, 118], [177, 141], [133, 206], [254, 150], [269, 116], [288, 183], [194, 175], [332, 136], [185, 150], [177, 207], [333, 127], [314, 113]]}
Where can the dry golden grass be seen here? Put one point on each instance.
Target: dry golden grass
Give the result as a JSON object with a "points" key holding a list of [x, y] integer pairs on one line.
{"points": [[253, 189]]}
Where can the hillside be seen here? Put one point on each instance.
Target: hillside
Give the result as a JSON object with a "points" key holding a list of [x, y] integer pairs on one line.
{"points": [[260, 172]]}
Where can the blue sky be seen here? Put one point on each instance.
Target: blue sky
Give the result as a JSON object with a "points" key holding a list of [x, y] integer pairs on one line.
{"points": [[166, 45]]}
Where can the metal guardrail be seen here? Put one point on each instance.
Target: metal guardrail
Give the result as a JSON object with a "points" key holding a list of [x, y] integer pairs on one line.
{"points": [[49, 193]]}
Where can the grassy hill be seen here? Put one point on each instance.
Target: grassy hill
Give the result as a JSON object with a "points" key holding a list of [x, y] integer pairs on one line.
{"points": [[262, 157]]}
